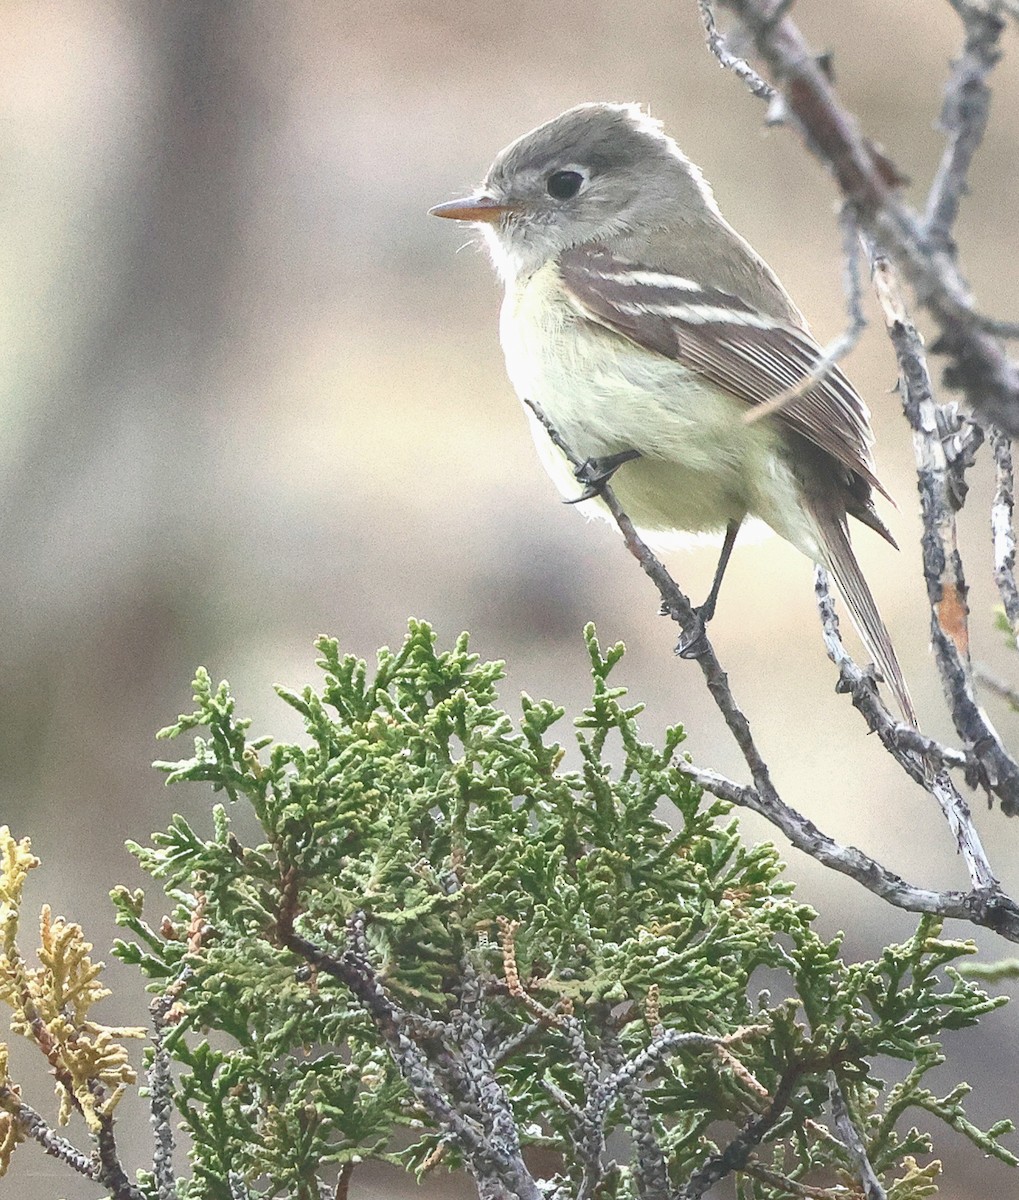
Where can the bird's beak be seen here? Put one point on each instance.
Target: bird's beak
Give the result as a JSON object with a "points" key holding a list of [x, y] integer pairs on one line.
{"points": [[473, 208]]}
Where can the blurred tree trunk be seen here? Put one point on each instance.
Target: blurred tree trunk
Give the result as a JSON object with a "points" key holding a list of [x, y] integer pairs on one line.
{"points": [[137, 393]]}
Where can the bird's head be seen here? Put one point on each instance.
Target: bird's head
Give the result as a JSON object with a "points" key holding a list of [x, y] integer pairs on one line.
{"points": [[595, 172]]}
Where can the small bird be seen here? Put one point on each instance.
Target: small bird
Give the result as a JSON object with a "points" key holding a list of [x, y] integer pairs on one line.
{"points": [[645, 328]]}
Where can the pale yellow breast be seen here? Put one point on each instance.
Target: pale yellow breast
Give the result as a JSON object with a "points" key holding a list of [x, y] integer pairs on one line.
{"points": [[701, 465]]}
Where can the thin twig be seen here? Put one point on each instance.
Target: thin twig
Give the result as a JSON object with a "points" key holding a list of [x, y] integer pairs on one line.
{"points": [[931, 775], [991, 764], [792, 1187], [1002, 530], [998, 686], [719, 47], [964, 116], [978, 363], [850, 1135], [1009, 330], [831, 354], [736, 1153]]}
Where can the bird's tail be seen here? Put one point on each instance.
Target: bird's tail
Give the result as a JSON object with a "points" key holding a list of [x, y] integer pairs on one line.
{"points": [[863, 610]]}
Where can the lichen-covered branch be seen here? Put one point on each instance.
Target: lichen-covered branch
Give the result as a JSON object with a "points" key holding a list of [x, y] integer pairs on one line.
{"points": [[35, 1126], [495, 1149], [1002, 530], [161, 1091], [978, 363], [990, 763], [718, 45], [928, 770]]}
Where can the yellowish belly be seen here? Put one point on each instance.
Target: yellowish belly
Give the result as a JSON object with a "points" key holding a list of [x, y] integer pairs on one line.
{"points": [[701, 466]]}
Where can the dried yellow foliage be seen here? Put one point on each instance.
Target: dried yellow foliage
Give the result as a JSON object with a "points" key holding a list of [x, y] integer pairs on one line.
{"points": [[10, 1131], [16, 860], [50, 1004]]}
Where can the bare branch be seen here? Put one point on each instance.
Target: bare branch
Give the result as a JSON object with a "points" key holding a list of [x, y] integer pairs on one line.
{"points": [[1003, 329], [850, 1135], [1002, 531], [963, 119], [994, 910], [930, 774], [991, 764], [978, 364], [915, 752], [718, 46]]}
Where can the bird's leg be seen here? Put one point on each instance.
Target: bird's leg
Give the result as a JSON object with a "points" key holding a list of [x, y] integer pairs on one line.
{"points": [[707, 609], [694, 639], [594, 473]]}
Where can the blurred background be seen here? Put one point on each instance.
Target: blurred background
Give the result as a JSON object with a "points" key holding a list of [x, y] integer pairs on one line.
{"points": [[251, 393]]}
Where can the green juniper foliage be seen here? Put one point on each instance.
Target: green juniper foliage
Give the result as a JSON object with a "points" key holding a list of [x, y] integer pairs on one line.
{"points": [[446, 949]]}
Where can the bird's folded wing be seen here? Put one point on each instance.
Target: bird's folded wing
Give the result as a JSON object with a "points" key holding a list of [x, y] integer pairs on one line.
{"points": [[749, 354]]}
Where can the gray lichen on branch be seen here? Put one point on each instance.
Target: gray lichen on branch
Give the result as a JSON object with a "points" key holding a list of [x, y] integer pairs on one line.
{"points": [[920, 245]]}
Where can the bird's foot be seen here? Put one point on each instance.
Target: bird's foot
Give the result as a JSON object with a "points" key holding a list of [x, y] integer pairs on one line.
{"points": [[594, 473], [693, 642]]}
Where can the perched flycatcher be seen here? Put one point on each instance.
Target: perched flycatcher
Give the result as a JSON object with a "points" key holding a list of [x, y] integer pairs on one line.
{"points": [[644, 326]]}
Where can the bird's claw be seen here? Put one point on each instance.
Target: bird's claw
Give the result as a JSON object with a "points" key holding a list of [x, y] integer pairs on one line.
{"points": [[590, 492], [693, 642], [594, 473]]}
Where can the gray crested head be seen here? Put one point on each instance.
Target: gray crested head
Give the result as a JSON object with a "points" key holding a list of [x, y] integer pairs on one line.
{"points": [[595, 172]]}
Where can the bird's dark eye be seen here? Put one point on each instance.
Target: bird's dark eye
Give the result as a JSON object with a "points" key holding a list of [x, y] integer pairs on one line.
{"points": [[563, 185]]}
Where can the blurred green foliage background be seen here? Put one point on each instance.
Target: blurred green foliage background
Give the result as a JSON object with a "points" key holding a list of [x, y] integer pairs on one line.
{"points": [[250, 393]]}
